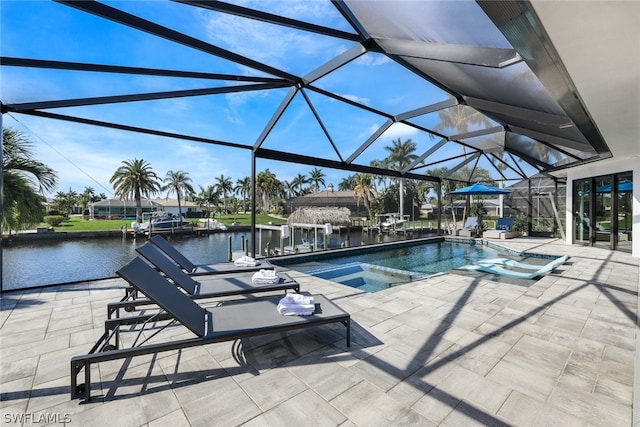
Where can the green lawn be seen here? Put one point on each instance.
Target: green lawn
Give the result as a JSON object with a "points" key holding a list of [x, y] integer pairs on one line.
{"points": [[76, 223]]}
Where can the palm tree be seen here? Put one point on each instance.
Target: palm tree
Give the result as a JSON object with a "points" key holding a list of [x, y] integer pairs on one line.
{"points": [[23, 181], [289, 189], [364, 190], [401, 155], [207, 197], [135, 179], [88, 196], [224, 186], [178, 182], [266, 186], [243, 186], [298, 182], [316, 177], [459, 119], [381, 180], [347, 183], [65, 202]]}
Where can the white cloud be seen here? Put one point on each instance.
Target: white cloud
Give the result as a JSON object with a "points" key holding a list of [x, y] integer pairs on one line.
{"points": [[355, 98], [372, 60], [400, 130]]}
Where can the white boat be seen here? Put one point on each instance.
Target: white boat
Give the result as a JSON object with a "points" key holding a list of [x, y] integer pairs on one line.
{"points": [[160, 221], [391, 221], [212, 224]]}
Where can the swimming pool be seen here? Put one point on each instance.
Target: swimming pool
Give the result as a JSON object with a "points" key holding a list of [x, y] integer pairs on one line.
{"points": [[375, 271]]}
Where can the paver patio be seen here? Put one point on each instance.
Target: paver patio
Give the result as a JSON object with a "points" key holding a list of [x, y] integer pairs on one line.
{"points": [[454, 349]]}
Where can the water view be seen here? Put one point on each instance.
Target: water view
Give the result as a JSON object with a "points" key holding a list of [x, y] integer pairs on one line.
{"points": [[27, 264]]}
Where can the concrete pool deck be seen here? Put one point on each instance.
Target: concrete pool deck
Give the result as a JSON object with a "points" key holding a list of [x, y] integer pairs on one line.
{"points": [[449, 350]]}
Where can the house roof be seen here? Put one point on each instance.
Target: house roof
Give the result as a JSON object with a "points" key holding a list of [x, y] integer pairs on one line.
{"points": [[328, 195], [155, 203], [122, 203]]}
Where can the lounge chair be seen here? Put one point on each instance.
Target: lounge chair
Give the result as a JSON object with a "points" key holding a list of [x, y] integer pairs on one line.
{"points": [[504, 230], [226, 322], [471, 227], [499, 266], [211, 286], [199, 269]]}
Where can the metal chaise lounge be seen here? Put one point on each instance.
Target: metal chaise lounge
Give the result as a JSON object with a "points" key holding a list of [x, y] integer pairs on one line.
{"points": [[499, 266], [207, 286], [195, 270], [471, 227], [226, 322]]}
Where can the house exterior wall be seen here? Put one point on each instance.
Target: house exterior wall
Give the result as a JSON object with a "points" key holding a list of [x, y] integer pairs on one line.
{"points": [[339, 199], [606, 167], [117, 209]]}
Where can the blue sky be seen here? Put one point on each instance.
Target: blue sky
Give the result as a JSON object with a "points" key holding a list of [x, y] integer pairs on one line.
{"points": [[88, 156]]}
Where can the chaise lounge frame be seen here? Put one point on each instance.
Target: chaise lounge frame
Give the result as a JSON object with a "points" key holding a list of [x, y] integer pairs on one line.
{"points": [[217, 324], [201, 269], [211, 286]]}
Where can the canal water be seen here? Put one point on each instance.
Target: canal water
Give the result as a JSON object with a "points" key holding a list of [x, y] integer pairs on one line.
{"points": [[27, 264]]}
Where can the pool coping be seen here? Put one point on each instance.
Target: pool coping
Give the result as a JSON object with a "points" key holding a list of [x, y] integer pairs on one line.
{"points": [[335, 253]]}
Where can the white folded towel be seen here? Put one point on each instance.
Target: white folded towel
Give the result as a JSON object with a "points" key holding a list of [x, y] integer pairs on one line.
{"points": [[293, 298], [246, 261], [296, 309], [296, 305], [263, 277]]}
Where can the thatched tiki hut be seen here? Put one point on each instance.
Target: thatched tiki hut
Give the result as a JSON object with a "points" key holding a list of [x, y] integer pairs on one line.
{"points": [[325, 220]]}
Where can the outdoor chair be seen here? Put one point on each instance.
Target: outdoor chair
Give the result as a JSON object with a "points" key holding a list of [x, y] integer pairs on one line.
{"points": [[231, 320], [207, 286], [506, 267], [199, 269], [471, 227], [504, 230]]}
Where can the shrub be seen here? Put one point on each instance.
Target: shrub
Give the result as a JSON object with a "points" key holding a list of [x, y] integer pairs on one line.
{"points": [[520, 223], [53, 220]]}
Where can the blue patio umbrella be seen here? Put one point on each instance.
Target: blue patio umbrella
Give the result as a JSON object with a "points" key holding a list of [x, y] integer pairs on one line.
{"points": [[480, 190]]}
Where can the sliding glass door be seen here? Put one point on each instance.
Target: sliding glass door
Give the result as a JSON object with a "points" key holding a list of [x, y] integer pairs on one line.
{"points": [[582, 210], [624, 217], [603, 224], [602, 211]]}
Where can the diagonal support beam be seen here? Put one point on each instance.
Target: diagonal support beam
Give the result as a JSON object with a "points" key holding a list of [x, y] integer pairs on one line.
{"points": [[119, 69], [321, 123], [426, 154], [337, 62], [127, 128], [270, 18], [479, 132], [275, 117], [141, 24], [451, 102], [101, 100], [468, 160], [370, 140]]}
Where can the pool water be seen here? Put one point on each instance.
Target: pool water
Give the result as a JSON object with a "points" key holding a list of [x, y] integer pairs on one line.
{"points": [[375, 271], [366, 277]]}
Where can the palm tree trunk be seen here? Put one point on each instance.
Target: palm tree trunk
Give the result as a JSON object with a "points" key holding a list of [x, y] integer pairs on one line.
{"points": [[138, 208]]}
